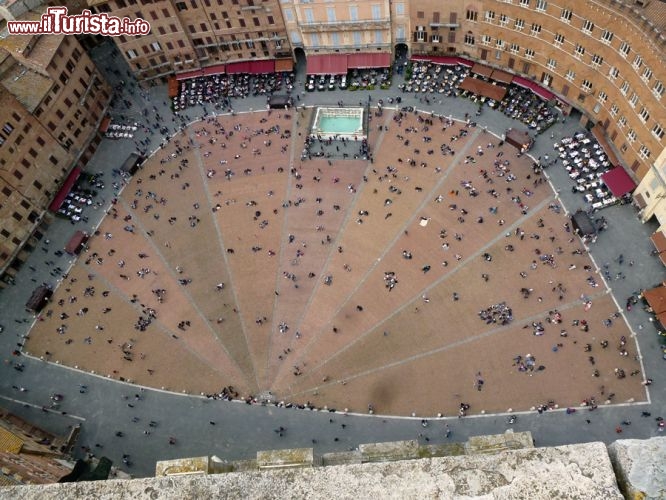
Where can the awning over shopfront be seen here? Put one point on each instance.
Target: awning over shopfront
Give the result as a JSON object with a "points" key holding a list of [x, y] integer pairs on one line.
{"points": [[286, 64], [534, 87], [501, 76], [659, 241], [262, 67], [104, 125], [238, 67], [364, 60], [327, 64], [69, 181], [482, 70], [656, 298], [482, 88], [444, 60], [173, 86], [618, 181], [189, 74], [216, 69]]}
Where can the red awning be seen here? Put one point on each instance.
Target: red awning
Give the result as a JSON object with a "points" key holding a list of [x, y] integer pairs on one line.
{"points": [[238, 67], [364, 60], [104, 125], [173, 86], [189, 74], [284, 64], [618, 181], [262, 67], [64, 190], [76, 242], [327, 64], [534, 87], [464, 62], [545, 94], [217, 69], [443, 60]]}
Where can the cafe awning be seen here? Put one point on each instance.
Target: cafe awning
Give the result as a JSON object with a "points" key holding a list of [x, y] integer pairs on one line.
{"points": [[216, 69], [534, 87], [443, 60], [189, 74], [482, 70], [656, 298], [238, 67], [262, 67], [173, 86], [482, 88], [501, 76], [286, 64], [659, 241], [618, 181], [327, 64], [104, 125], [67, 184], [363, 60]]}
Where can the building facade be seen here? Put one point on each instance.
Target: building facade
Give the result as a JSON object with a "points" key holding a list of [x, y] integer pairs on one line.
{"points": [[192, 34], [603, 57], [339, 26], [52, 100], [651, 192]]}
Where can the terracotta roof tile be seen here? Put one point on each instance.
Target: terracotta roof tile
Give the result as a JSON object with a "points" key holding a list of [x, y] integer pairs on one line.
{"points": [[10, 442]]}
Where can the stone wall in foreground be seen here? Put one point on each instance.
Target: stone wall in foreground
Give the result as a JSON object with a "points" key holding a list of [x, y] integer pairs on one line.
{"points": [[563, 472]]}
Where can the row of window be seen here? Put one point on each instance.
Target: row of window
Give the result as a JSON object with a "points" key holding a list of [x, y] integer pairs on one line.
{"points": [[357, 38], [331, 15], [579, 50]]}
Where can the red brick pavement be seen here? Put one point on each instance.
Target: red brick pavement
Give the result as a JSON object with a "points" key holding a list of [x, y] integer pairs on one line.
{"points": [[399, 353]]}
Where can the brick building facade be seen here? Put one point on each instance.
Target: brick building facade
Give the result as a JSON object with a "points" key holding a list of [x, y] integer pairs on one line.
{"points": [[603, 57], [52, 100], [191, 34]]}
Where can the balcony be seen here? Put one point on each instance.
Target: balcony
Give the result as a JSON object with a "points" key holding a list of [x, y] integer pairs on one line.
{"points": [[358, 25]]}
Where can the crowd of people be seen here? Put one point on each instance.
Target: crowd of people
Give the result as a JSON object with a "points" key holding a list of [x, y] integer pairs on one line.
{"points": [[493, 177], [218, 90], [431, 79]]}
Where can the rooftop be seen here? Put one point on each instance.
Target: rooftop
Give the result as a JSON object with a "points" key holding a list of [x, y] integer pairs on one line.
{"points": [[28, 86]]}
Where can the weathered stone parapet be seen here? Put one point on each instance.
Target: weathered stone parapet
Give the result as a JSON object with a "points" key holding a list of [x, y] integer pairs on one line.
{"points": [[640, 467], [564, 472]]}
